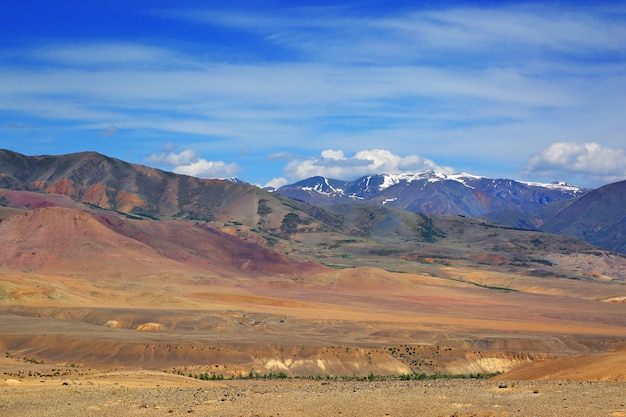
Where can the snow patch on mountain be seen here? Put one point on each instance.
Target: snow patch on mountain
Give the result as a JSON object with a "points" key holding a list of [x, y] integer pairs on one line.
{"points": [[433, 176], [324, 187], [430, 176], [557, 185]]}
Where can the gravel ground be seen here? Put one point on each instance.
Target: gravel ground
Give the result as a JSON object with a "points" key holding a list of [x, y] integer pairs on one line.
{"points": [[165, 395]]}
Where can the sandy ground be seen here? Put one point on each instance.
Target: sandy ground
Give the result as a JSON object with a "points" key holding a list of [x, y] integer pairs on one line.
{"points": [[143, 393]]}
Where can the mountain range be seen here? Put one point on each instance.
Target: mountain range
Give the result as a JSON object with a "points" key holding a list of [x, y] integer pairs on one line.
{"points": [[433, 192], [595, 216], [318, 203]]}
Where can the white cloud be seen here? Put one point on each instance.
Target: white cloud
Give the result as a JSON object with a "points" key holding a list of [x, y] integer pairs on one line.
{"points": [[169, 147], [103, 53], [277, 182], [188, 162], [283, 155], [208, 169], [334, 164], [482, 83], [186, 157], [589, 159], [343, 34], [109, 131]]}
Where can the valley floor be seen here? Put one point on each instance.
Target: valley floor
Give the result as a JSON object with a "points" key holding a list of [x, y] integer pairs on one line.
{"points": [[142, 393]]}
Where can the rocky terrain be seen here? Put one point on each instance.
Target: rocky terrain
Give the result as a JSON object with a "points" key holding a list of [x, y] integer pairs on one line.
{"points": [[142, 393]]}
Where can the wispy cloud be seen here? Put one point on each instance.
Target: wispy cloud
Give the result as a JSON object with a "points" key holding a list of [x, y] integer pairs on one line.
{"points": [[102, 53], [349, 34], [16, 125], [446, 80], [109, 131]]}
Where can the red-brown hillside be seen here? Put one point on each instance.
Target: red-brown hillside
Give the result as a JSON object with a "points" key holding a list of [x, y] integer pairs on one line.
{"points": [[63, 240]]}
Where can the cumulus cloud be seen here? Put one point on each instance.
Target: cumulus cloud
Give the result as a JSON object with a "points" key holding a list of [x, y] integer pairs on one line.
{"points": [[277, 182], [173, 159], [589, 159], [208, 169], [188, 162], [333, 163]]}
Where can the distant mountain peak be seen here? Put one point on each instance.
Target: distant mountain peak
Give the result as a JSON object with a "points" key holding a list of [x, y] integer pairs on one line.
{"points": [[434, 191], [236, 180], [556, 185]]}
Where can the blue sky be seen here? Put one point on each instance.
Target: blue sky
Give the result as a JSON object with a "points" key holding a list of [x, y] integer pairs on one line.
{"points": [[277, 91]]}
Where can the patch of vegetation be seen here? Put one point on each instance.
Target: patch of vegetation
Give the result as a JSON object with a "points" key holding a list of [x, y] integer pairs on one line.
{"points": [[365, 221], [333, 220], [428, 231], [197, 217], [4, 201], [422, 376], [290, 223], [489, 287], [262, 208], [538, 243], [271, 241], [148, 215], [334, 266], [371, 377], [542, 261], [384, 252], [338, 243]]}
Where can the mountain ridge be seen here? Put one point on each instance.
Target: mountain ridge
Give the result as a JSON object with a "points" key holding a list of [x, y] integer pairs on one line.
{"points": [[433, 192], [270, 218]]}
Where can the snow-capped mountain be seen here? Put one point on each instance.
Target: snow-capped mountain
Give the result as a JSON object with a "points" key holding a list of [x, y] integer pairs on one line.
{"points": [[236, 180], [434, 192]]}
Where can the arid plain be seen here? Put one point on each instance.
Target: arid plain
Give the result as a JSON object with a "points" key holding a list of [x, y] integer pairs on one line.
{"points": [[103, 314]]}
